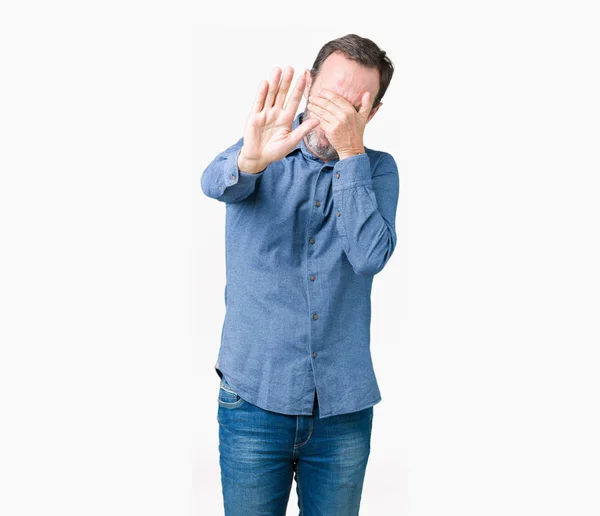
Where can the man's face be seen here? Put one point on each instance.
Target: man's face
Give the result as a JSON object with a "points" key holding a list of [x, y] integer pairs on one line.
{"points": [[346, 78]]}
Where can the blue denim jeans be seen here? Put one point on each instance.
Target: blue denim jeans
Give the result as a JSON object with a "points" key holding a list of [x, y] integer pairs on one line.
{"points": [[260, 452]]}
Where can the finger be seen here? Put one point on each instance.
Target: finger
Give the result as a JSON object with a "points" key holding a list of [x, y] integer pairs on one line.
{"points": [[286, 81], [273, 87], [336, 100], [325, 125], [328, 105], [365, 107], [303, 129], [296, 96], [260, 96], [323, 113]]}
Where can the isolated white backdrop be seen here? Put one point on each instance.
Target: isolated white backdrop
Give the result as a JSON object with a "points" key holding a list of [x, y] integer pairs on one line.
{"points": [[485, 332]]}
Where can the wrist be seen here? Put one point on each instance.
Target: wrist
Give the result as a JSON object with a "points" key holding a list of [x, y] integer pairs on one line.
{"points": [[352, 152], [249, 166]]}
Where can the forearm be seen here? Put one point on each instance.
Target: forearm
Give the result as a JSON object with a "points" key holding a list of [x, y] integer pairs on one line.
{"points": [[365, 207]]}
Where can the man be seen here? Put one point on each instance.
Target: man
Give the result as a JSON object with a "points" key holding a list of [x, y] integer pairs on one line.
{"points": [[310, 219]]}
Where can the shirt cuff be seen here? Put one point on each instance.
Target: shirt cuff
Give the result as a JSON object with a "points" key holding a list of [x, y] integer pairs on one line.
{"points": [[232, 175], [352, 171]]}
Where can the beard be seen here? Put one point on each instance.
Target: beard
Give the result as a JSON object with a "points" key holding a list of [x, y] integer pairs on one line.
{"points": [[317, 140]]}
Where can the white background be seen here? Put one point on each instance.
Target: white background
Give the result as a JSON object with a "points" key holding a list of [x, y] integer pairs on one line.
{"points": [[485, 330]]}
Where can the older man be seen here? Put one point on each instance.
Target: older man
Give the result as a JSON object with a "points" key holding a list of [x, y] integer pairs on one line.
{"points": [[310, 220]]}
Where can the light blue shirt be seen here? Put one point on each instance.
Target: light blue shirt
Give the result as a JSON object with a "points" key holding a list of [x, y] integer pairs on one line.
{"points": [[304, 239]]}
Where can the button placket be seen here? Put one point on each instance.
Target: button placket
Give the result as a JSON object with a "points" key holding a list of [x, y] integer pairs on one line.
{"points": [[313, 298], [320, 195]]}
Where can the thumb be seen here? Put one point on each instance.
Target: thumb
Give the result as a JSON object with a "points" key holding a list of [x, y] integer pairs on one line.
{"points": [[365, 104], [303, 129]]}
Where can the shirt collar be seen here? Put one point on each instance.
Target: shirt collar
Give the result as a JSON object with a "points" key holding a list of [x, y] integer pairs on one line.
{"points": [[302, 145]]}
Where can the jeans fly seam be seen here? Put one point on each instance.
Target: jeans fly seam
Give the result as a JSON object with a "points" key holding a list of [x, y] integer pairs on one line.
{"points": [[296, 436], [310, 429]]}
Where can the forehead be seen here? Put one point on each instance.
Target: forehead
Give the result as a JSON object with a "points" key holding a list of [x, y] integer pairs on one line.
{"points": [[348, 78]]}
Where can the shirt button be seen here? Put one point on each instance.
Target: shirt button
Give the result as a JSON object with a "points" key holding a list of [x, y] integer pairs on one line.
{"points": [[311, 240], [339, 213], [314, 354], [318, 203], [233, 176], [337, 176], [315, 316], [312, 278]]}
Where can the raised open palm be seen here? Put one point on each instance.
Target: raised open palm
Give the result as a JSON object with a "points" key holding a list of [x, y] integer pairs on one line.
{"points": [[268, 135]]}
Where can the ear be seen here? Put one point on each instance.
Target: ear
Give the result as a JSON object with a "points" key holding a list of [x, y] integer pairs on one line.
{"points": [[373, 111], [307, 84]]}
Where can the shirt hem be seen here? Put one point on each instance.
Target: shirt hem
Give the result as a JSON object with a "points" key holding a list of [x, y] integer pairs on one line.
{"points": [[369, 405], [250, 398]]}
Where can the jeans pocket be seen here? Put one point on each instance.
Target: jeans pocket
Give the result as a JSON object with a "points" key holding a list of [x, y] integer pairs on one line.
{"points": [[228, 398]]}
